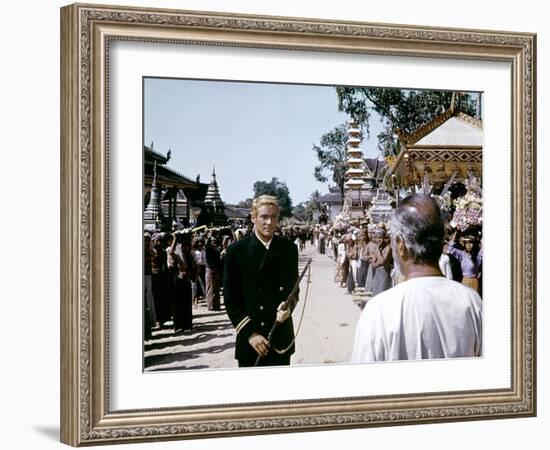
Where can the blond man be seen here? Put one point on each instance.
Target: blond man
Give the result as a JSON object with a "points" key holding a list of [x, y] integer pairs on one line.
{"points": [[260, 271]]}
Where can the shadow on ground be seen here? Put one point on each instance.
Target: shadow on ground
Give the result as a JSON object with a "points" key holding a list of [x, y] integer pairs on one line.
{"points": [[184, 356], [171, 340]]}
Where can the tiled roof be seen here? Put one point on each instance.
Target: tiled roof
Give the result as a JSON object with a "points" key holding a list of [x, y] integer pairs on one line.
{"points": [[165, 174], [153, 155], [234, 212]]}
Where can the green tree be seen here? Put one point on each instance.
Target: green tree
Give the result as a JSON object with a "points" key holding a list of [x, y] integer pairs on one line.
{"points": [[246, 203], [399, 108], [313, 205], [331, 153], [299, 212], [387, 142], [278, 189]]}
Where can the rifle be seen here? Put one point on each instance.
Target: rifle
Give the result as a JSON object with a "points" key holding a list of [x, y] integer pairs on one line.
{"points": [[286, 304]]}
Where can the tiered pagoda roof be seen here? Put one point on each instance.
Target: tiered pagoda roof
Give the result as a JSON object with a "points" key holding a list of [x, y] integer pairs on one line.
{"points": [[357, 170], [213, 208], [213, 197]]}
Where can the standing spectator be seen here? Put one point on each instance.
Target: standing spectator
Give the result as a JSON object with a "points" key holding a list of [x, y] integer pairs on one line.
{"points": [[363, 260], [381, 263], [213, 274], [303, 237], [297, 243], [171, 275], [353, 258], [322, 242], [161, 279], [369, 252], [445, 263], [199, 254], [470, 260], [180, 257], [149, 304], [342, 262]]}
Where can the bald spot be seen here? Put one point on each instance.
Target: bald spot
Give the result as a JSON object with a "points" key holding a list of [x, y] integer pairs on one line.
{"points": [[422, 207]]}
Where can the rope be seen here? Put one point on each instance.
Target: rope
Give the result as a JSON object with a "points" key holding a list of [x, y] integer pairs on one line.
{"points": [[282, 352]]}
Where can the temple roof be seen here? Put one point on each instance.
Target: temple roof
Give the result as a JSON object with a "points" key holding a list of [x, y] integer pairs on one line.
{"points": [[451, 142], [166, 176], [234, 212], [152, 155], [331, 197], [457, 130], [451, 127]]}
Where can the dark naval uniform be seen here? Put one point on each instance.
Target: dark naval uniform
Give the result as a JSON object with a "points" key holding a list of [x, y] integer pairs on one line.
{"points": [[255, 282]]}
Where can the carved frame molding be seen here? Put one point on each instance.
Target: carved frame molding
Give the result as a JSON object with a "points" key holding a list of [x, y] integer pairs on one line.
{"points": [[86, 32]]}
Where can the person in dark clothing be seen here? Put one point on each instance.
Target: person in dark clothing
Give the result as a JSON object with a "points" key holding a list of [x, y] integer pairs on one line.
{"points": [[161, 279], [181, 259], [260, 271]]}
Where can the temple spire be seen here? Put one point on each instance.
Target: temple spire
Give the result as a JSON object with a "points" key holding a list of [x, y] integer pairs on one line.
{"points": [[154, 209], [213, 211], [356, 171], [213, 197]]}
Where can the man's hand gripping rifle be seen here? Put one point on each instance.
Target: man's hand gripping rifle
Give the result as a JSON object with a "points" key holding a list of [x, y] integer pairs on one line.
{"points": [[288, 304]]}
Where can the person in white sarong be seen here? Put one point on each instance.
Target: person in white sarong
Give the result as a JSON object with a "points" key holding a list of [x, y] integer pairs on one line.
{"points": [[426, 316]]}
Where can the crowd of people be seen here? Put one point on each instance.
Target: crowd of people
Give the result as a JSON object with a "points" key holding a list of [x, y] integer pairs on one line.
{"points": [[404, 261], [182, 268], [364, 258], [424, 315], [191, 263]]}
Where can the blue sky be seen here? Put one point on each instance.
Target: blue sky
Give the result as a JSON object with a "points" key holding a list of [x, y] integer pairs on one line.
{"points": [[248, 131]]}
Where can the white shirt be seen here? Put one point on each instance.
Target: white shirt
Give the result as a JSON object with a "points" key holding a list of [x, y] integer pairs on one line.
{"points": [[266, 244], [445, 266], [341, 252], [200, 257], [422, 318]]}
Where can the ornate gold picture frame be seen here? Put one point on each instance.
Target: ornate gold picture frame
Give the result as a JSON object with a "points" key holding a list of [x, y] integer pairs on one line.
{"points": [[87, 35]]}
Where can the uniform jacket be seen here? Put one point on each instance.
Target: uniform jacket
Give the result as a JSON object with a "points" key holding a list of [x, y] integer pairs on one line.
{"points": [[255, 282]]}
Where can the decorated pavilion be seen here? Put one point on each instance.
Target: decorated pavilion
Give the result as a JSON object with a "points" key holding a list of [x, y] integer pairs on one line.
{"points": [[446, 150]]}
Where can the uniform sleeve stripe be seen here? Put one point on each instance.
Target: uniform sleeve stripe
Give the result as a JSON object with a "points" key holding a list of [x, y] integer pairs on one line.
{"points": [[242, 324], [242, 321]]}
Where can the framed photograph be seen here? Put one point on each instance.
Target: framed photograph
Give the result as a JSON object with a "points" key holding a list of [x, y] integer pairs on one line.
{"points": [[174, 121]]}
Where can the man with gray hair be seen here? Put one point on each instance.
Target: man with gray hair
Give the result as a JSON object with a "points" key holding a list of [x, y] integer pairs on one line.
{"points": [[427, 316]]}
